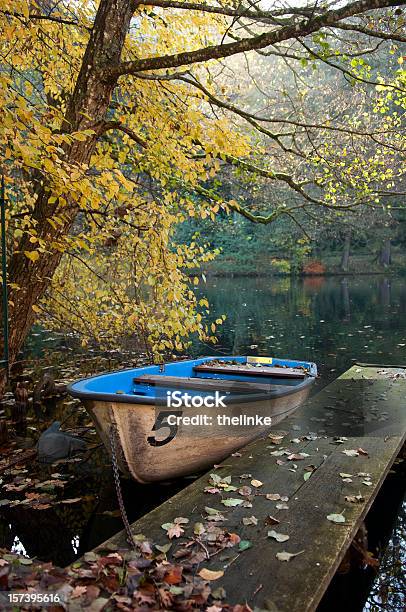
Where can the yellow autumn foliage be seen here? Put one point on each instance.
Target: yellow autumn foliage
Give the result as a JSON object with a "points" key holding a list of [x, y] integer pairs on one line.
{"points": [[120, 275]]}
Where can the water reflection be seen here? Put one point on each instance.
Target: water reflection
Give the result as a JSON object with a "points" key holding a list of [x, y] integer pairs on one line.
{"points": [[333, 321]]}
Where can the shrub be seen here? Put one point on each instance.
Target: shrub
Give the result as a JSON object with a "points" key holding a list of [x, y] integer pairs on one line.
{"points": [[280, 266], [314, 267]]}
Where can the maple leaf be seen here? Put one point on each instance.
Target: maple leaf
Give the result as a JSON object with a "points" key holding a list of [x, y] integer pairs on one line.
{"points": [[175, 531], [78, 591]]}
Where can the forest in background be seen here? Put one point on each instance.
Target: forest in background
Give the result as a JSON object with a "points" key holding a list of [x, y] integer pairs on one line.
{"points": [[367, 237]]}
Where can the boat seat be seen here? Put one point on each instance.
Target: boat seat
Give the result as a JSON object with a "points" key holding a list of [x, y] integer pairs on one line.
{"points": [[206, 384], [243, 370]]}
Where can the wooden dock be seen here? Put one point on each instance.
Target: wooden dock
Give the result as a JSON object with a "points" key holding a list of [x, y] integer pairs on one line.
{"points": [[330, 460]]}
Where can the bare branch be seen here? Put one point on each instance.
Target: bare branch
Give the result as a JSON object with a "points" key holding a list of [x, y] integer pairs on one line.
{"points": [[392, 36]]}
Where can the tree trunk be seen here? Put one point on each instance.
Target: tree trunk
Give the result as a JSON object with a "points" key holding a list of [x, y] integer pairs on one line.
{"points": [[346, 252], [86, 110], [385, 258]]}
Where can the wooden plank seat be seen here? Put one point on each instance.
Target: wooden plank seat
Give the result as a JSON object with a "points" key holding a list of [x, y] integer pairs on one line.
{"points": [[243, 370], [207, 384]]}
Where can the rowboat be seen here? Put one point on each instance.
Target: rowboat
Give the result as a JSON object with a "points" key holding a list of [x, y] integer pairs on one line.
{"points": [[178, 418]]}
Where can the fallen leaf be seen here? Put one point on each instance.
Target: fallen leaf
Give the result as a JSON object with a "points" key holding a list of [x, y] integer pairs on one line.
{"points": [[336, 518], [286, 556], [245, 491], [175, 531], [307, 475], [174, 574], [350, 453], [198, 529], [282, 507], [355, 499], [344, 475], [78, 591], [361, 451], [210, 511], [175, 590], [244, 545], [180, 520], [250, 520], [219, 593], [229, 502], [256, 483], [207, 574], [275, 439], [297, 456], [273, 496], [164, 548], [279, 537]]}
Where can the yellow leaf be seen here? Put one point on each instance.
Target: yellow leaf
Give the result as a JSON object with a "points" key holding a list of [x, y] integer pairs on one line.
{"points": [[25, 10], [33, 255]]}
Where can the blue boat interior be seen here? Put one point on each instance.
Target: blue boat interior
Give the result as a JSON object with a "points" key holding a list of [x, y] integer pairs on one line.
{"points": [[120, 385]]}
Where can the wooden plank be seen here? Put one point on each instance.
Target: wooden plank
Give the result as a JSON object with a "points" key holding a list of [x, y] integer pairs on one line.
{"points": [[208, 384], [253, 371], [374, 422]]}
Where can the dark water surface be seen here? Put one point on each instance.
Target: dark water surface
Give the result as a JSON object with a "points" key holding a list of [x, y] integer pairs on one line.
{"points": [[332, 321]]}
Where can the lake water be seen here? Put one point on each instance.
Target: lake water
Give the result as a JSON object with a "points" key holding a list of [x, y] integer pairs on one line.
{"points": [[332, 321]]}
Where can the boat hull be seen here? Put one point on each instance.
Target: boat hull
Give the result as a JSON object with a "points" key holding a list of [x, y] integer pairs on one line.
{"points": [[149, 453]]}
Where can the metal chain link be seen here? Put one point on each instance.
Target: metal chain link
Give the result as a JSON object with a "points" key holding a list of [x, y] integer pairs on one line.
{"points": [[116, 476]]}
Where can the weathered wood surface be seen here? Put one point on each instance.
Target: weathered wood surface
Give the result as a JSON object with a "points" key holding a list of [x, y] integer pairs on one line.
{"points": [[367, 406], [278, 372], [208, 384]]}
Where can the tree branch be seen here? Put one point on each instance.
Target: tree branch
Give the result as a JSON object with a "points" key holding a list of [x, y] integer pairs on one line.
{"points": [[229, 11], [38, 17], [303, 28], [116, 125], [373, 33]]}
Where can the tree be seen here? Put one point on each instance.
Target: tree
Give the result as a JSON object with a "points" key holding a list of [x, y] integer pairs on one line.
{"points": [[104, 140]]}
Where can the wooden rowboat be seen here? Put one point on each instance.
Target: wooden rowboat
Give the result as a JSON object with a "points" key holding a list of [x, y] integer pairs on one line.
{"points": [[181, 417]]}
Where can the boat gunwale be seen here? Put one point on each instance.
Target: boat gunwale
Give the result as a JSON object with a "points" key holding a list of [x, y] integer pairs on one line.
{"points": [[125, 398]]}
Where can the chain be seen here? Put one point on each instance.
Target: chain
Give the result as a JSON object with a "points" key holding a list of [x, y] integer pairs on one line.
{"points": [[116, 476]]}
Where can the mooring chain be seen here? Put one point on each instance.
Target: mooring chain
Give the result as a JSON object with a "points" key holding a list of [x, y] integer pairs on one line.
{"points": [[116, 476]]}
